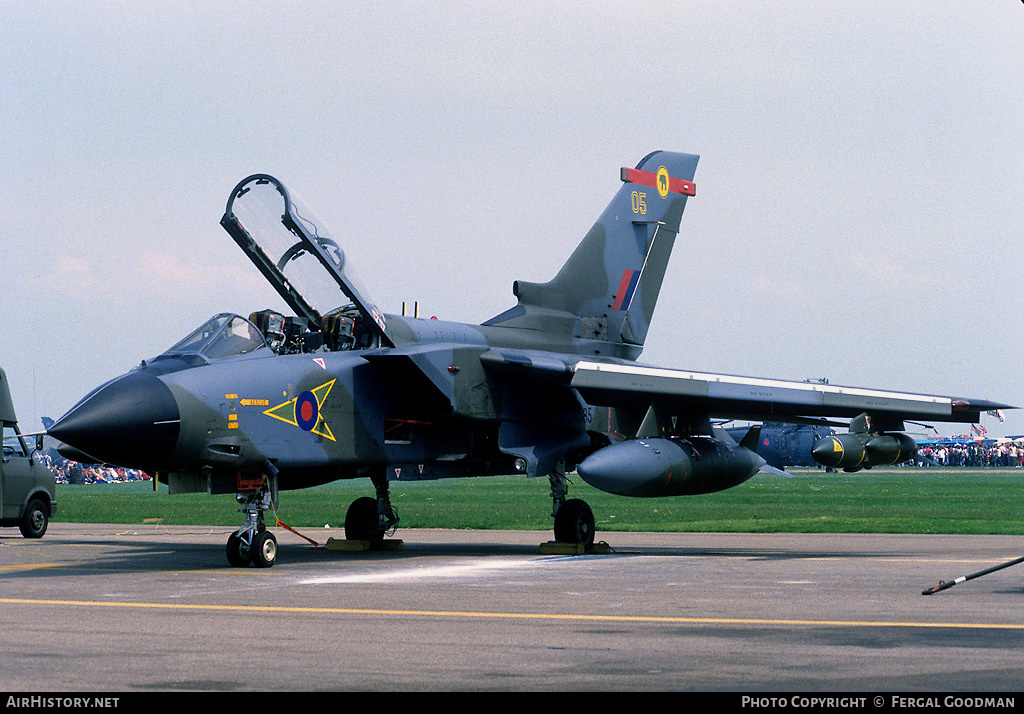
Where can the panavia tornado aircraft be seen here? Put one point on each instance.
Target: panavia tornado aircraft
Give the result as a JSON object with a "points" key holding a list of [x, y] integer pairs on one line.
{"points": [[274, 402]]}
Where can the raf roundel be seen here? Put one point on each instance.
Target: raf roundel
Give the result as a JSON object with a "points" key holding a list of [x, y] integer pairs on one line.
{"points": [[307, 411]]}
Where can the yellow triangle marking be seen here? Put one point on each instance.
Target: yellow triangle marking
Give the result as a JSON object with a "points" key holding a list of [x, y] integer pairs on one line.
{"points": [[322, 391], [285, 412], [323, 430]]}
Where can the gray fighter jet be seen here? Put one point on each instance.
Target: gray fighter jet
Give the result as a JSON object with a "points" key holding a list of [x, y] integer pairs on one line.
{"points": [[274, 402]]}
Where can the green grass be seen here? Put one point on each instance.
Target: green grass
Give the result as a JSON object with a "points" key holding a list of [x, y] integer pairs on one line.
{"points": [[959, 501]]}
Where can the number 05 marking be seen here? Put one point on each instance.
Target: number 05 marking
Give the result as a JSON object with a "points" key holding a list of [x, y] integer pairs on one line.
{"points": [[639, 204]]}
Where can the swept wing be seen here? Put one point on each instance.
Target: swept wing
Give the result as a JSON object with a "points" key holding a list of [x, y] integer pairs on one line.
{"points": [[719, 395]]}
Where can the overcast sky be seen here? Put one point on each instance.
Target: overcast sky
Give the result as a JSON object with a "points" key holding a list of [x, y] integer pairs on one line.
{"points": [[860, 195]]}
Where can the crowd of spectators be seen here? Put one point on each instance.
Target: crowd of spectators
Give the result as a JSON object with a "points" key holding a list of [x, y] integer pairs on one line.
{"points": [[72, 472], [973, 453]]}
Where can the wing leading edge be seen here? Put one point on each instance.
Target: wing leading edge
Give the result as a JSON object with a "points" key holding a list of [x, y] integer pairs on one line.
{"points": [[609, 384]]}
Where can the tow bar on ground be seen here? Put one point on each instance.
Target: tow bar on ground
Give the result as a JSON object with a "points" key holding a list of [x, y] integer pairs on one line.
{"points": [[963, 578]]}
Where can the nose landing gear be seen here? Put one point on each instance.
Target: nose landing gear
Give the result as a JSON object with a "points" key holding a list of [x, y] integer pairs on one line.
{"points": [[252, 543]]}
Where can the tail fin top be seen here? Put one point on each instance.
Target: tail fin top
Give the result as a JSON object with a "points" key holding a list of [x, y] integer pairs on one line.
{"points": [[612, 280]]}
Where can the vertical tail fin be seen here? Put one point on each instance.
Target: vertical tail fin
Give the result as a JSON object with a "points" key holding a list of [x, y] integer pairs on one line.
{"points": [[610, 283]]}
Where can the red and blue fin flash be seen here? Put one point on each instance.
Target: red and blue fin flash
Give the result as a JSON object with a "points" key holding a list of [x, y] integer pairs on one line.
{"points": [[627, 286]]}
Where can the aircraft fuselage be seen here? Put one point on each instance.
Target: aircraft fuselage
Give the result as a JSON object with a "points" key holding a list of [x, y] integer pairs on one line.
{"points": [[430, 411]]}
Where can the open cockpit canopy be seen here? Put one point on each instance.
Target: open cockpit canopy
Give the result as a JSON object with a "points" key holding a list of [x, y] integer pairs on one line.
{"points": [[295, 252]]}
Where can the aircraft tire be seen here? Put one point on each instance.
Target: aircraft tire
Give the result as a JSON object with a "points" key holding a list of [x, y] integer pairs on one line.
{"points": [[238, 553], [574, 523], [361, 519], [264, 550], [33, 523]]}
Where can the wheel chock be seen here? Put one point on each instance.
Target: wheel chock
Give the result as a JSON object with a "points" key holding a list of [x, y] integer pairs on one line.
{"points": [[554, 547], [363, 545]]}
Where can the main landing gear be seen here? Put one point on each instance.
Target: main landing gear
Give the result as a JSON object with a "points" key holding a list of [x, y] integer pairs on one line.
{"points": [[574, 521], [370, 519], [253, 543]]}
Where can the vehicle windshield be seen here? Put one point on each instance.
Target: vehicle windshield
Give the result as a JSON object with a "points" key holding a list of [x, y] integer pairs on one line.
{"points": [[14, 444], [221, 336]]}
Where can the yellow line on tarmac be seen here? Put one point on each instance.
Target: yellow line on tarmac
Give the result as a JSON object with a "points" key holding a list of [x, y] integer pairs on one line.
{"points": [[512, 615], [29, 566], [79, 565]]}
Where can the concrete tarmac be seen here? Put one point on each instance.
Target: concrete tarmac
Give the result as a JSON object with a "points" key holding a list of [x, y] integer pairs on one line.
{"points": [[130, 608]]}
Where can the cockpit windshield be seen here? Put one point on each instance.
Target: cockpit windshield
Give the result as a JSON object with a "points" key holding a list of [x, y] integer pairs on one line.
{"points": [[221, 336]]}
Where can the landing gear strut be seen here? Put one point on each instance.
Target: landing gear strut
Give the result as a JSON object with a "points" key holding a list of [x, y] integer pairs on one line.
{"points": [[253, 543], [369, 518], [574, 521]]}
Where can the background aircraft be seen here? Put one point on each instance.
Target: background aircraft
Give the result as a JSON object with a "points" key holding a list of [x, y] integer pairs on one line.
{"points": [[274, 402], [786, 445]]}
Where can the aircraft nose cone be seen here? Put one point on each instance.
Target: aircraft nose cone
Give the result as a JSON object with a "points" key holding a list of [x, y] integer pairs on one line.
{"points": [[132, 421], [827, 451]]}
